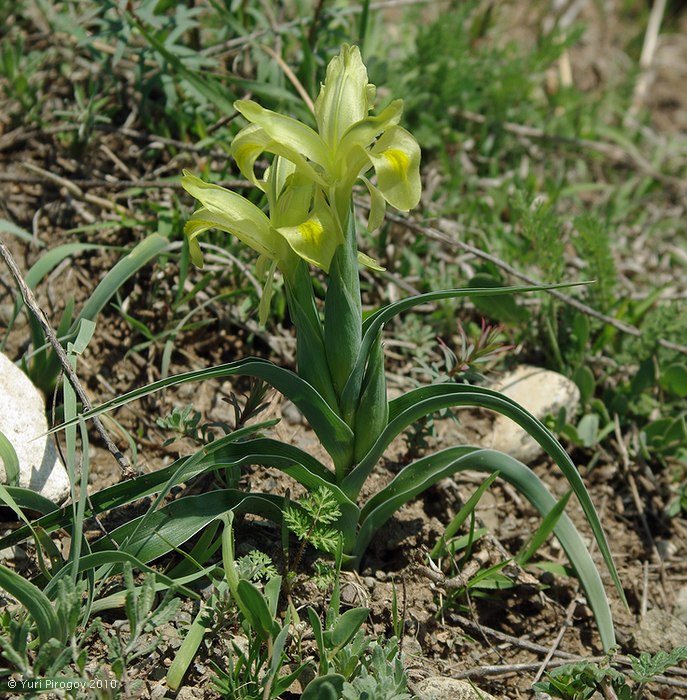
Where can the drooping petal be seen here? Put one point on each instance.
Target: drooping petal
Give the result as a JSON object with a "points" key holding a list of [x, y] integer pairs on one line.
{"points": [[345, 97], [377, 206], [286, 133], [396, 160], [230, 212], [246, 148], [316, 238]]}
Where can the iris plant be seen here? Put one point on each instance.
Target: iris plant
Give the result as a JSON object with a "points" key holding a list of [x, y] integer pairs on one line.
{"points": [[339, 384]]}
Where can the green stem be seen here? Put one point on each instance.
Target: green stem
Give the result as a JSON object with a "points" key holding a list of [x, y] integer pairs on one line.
{"points": [[310, 349]]}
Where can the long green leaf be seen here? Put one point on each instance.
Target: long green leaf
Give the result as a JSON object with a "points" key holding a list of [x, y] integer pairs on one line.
{"points": [[10, 460], [177, 522], [10, 227], [374, 323], [89, 562], [35, 601], [142, 253], [335, 435], [414, 404], [209, 458], [185, 654], [28, 500], [418, 476]]}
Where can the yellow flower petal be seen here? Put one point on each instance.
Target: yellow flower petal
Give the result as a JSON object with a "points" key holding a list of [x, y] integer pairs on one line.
{"points": [[316, 238], [345, 97], [230, 212], [396, 160], [289, 135], [377, 206]]}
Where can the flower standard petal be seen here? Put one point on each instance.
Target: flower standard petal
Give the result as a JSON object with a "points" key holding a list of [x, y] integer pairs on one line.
{"points": [[246, 148], [345, 97], [253, 140], [396, 160], [362, 133]]}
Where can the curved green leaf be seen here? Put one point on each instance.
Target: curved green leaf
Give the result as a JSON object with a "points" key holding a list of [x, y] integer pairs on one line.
{"points": [[329, 687], [27, 499], [222, 452], [335, 435], [254, 606], [374, 323], [171, 526], [420, 475], [113, 556], [414, 404], [9, 458]]}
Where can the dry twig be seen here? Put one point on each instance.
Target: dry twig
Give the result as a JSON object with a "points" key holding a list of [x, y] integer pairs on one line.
{"points": [[448, 240]]}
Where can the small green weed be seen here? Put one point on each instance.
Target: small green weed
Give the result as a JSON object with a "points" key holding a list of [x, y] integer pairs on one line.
{"points": [[581, 681]]}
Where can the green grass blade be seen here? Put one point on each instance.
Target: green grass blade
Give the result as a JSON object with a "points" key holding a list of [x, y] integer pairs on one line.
{"points": [[10, 227], [48, 262], [35, 601], [142, 253], [461, 516], [548, 525]]}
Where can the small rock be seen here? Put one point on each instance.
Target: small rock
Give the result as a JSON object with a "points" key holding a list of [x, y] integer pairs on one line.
{"points": [[659, 631], [439, 688], [291, 414], [23, 422], [540, 392]]}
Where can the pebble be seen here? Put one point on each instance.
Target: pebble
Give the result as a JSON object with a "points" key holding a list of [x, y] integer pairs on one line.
{"points": [[23, 422], [440, 688], [659, 631], [291, 414], [539, 391]]}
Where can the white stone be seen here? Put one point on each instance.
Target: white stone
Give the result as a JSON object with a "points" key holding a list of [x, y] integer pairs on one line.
{"points": [[23, 422], [440, 688], [540, 392]]}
